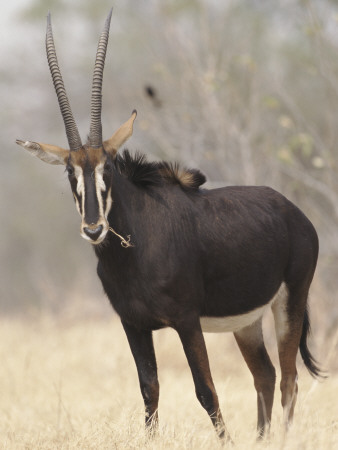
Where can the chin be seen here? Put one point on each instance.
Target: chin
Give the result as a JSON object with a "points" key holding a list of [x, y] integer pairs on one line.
{"points": [[97, 241]]}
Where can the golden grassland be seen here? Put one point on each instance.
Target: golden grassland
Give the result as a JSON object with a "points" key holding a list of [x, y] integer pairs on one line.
{"points": [[72, 384]]}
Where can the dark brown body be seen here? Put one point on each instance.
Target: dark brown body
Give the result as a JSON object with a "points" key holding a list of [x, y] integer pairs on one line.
{"points": [[222, 253], [226, 251]]}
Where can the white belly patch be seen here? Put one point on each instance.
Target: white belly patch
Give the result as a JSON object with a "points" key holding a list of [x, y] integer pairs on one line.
{"points": [[235, 323]]}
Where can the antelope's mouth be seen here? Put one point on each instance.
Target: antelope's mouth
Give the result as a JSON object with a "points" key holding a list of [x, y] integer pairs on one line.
{"points": [[94, 233]]}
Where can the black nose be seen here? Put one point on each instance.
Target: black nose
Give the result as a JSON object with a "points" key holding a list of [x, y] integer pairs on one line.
{"points": [[93, 233]]}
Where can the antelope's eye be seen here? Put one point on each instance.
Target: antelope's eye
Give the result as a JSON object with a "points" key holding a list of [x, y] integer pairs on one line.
{"points": [[70, 171]]}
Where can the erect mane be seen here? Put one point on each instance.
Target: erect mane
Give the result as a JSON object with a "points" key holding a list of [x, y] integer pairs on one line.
{"points": [[137, 169], [144, 173]]}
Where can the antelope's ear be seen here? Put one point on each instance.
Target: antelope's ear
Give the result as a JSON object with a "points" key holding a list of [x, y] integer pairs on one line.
{"points": [[120, 136], [50, 154]]}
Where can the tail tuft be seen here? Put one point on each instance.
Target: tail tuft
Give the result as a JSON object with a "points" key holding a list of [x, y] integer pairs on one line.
{"points": [[309, 361]]}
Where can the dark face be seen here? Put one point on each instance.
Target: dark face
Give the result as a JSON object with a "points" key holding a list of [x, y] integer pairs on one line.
{"points": [[90, 175]]}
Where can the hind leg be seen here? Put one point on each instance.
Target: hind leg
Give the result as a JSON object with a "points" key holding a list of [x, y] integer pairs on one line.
{"points": [[288, 313], [251, 344]]}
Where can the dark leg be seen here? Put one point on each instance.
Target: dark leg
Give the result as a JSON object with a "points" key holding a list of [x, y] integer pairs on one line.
{"points": [[141, 345], [251, 344], [190, 333]]}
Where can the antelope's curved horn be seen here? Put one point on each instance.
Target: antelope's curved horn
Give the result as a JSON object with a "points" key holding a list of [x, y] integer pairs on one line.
{"points": [[95, 132], [72, 132]]}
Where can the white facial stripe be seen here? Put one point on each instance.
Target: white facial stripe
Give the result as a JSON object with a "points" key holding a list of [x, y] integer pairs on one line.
{"points": [[109, 202], [77, 204], [100, 186], [80, 180], [80, 187], [99, 178]]}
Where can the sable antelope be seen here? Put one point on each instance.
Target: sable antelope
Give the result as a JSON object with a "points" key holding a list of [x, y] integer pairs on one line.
{"points": [[192, 259]]}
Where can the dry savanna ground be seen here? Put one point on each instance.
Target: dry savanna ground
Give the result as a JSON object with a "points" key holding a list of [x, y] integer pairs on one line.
{"points": [[72, 384]]}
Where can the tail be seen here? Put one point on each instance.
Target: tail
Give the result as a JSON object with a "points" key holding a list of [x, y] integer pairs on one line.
{"points": [[309, 361]]}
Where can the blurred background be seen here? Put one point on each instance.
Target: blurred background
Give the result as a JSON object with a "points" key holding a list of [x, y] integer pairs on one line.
{"points": [[245, 90]]}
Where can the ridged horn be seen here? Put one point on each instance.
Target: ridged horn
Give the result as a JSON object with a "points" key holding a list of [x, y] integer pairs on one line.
{"points": [[72, 131], [95, 132]]}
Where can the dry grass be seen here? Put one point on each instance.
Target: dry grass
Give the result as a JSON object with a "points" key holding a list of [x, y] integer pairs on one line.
{"points": [[69, 384]]}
